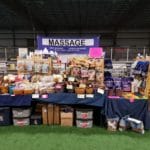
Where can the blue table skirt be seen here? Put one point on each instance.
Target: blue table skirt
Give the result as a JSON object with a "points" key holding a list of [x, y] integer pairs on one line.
{"points": [[57, 98], [112, 107], [122, 107], [71, 99], [19, 100]]}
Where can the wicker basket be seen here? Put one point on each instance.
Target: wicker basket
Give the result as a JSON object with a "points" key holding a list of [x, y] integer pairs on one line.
{"points": [[3, 89], [79, 90], [50, 90], [18, 91], [28, 91], [89, 91]]}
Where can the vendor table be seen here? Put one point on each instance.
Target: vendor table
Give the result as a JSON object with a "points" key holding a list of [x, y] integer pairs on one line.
{"points": [[122, 107], [113, 107]]}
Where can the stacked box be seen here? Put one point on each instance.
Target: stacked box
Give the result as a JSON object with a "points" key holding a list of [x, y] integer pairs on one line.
{"points": [[21, 116], [5, 116], [84, 118], [44, 114], [51, 114], [66, 118]]}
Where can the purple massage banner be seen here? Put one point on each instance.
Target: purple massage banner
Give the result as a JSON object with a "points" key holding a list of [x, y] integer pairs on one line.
{"points": [[73, 45]]}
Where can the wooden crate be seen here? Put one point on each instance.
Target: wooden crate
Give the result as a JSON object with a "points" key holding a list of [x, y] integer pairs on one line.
{"points": [[56, 115], [45, 114], [50, 114]]}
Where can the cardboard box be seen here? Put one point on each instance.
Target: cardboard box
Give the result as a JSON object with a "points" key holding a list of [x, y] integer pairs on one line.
{"points": [[56, 115], [50, 114], [44, 115], [66, 118]]}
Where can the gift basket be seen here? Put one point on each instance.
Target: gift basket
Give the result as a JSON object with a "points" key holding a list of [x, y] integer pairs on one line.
{"points": [[79, 90]]}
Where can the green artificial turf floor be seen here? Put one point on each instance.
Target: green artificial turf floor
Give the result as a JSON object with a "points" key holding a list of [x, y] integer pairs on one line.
{"points": [[67, 138]]}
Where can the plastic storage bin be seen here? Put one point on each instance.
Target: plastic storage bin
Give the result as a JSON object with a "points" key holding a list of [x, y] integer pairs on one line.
{"points": [[84, 114], [84, 123], [21, 121], [21, 112]]}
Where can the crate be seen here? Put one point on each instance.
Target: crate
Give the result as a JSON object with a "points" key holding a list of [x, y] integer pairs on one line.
{"points": [[66, 118], [84, 114], [21, 121], [21, 112], [50, 114], [44, 114], [5, 116], [56, 115], [84, 123], [36, 120]]}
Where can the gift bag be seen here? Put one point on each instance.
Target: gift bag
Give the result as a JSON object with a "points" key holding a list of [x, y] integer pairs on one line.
{"points": [[112, 124]]}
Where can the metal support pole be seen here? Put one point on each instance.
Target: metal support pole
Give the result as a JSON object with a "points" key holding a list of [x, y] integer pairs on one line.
{"points": [[144, 52], [5, 54], [127, 54], [111, 53]]}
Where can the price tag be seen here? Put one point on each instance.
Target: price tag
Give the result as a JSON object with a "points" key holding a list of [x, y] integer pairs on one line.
{"points": [[35, 96], [90, 95], [101, 91], [81, 96], [72, 79], [69, 87]]}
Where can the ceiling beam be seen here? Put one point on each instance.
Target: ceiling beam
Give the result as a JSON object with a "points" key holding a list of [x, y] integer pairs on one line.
{"points": [[19, 9]]}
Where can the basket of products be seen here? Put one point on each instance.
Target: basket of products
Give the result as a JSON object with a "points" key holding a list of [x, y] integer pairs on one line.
{"points": [[79, 90], [18, 91], [3, 89], [89, 90], [50, 90], [28, 91], [59, 88]]}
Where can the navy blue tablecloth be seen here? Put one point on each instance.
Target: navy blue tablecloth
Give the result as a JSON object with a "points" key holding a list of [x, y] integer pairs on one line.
{"points": [[18, 100], [122, 107], [71, 99]]}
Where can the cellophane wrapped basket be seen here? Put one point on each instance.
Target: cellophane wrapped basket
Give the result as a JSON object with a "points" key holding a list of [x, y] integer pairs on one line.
{"points": [[79, 90], [89, 90], [18, 91]]}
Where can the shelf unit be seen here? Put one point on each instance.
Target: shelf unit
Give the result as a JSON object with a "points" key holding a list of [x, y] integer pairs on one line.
{"points": [[147, 89]]}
